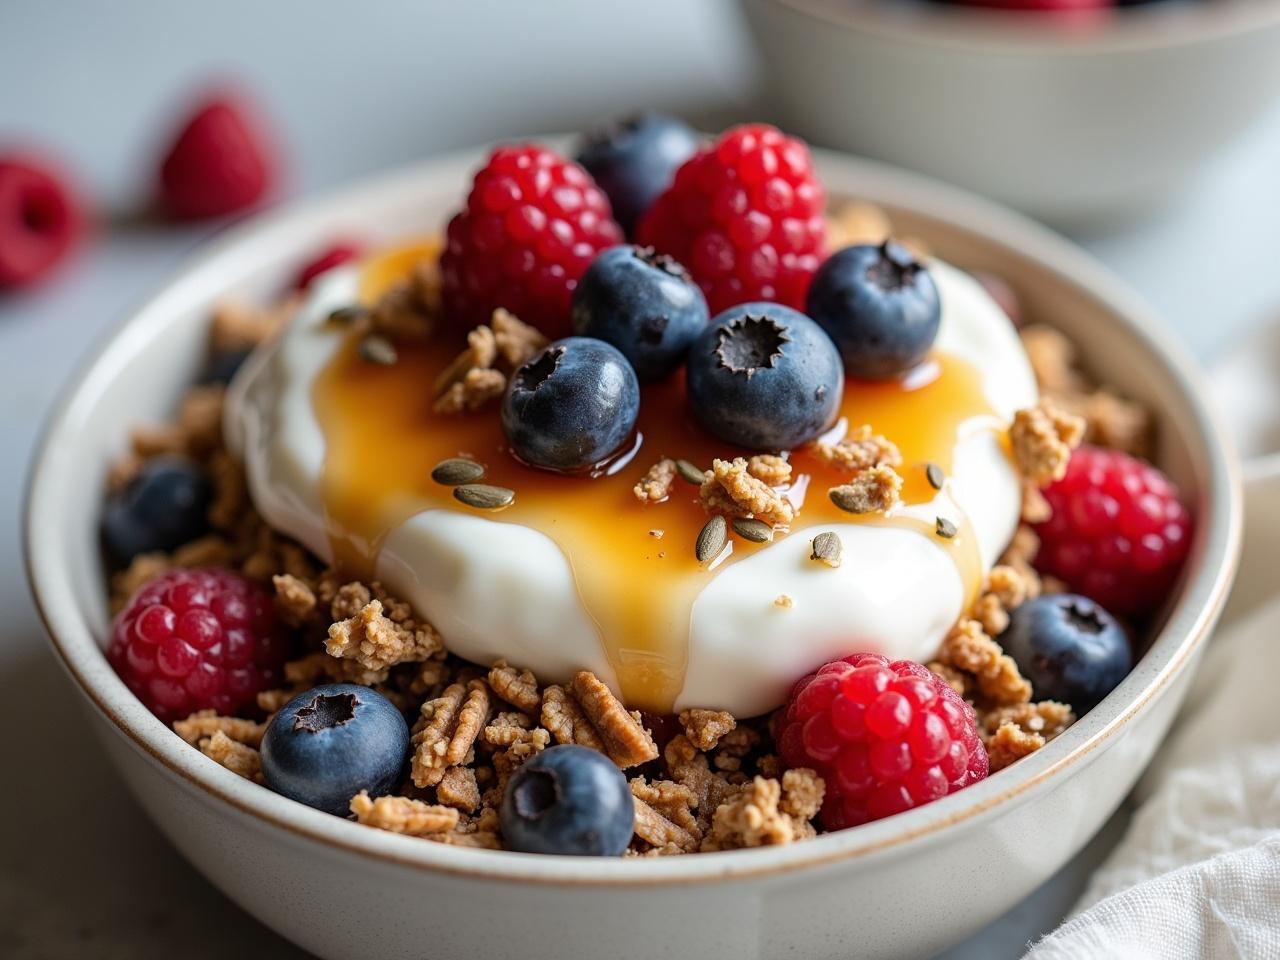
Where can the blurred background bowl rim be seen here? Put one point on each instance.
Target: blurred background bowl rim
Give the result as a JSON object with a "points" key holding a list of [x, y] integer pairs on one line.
{"points": [[1186, 628], [956, 28]]}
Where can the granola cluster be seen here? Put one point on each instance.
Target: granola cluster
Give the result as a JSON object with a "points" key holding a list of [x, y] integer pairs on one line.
{"points": [[749, 488], [478, 375]]}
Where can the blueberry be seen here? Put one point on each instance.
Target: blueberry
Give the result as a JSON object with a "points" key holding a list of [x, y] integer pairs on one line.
{"points": [[764, 376], [880, 306], [222, 366], [635, 159], [643, 303], [572, 406], [568, 800], [163, 507], [331, 742], [1069, 648]]}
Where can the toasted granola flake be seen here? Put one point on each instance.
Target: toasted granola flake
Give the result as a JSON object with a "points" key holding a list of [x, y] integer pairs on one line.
{"points": [[770, 468], [968, 648], [655, 485], [205, 723], [660, 833], [237, 757], [295, 600], [729, 489], [705, 728], [755, 818], [858, 450], [448, 730], [1043, 438], [875, 490], [458, 789], [377, 642], [517, 342], [517, 687], [565, 719], [413, 818], [626, 741]]}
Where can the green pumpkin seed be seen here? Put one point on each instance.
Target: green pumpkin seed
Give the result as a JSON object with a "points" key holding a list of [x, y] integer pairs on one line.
{"points": [[748, 528], [935, 476], [827, 549], [848, 499], [711, 539], [456, 471], [378, 349], [945, 528], [689, 472], [483, 496], [348, 316]]}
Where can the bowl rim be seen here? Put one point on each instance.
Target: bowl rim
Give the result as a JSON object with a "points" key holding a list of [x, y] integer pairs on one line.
{"points": [[1202, 598], [984, 30]]}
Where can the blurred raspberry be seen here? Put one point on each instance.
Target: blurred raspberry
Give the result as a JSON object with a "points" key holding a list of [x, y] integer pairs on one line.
{"points": [[40, 220]]}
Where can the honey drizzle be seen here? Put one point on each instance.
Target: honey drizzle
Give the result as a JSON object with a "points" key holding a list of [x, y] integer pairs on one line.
{"points": [[382, 440]]}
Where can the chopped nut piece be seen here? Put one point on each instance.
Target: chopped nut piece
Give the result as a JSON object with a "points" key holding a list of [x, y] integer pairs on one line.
{"points": [[448, 730], [475, 389], [1042, 439], [295, 601], [458, 789], [770, 468], [875, 490], [566, 721], [403, 815], [205, 723], [507, 728], [517, 342], [518, 687], [704, 728], [626, 741], [859, 450], [659, 832], [729, 489], [376, 642], [672, 800], [969, 649], [655, 485], [236, 757]]}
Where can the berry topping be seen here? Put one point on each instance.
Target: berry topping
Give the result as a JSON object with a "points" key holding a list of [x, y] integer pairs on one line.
{"points": [[765, 377], [635, 159], [568, 800], [164, 506], [197, 640], [532, 223], [39, 221], [334, 256], [745, 215], [879, 305], [219, 164], [331, 742], [643, 303], [571, 407], [885, 736], [1118, 533], [1069, 648]]}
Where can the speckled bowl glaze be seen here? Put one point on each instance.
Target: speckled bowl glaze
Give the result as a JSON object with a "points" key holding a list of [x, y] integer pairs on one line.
{"points": [[905, 886]]}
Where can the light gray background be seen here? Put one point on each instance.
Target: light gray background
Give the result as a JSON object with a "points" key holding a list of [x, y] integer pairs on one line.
{"points": [[354, 88]]}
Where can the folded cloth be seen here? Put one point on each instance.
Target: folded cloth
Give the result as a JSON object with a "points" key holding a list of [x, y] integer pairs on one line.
{"points": [[1198, 874]]}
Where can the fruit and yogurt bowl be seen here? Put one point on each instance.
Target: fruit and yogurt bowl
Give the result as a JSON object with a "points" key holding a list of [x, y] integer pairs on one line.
{"points": [[764, 524]]}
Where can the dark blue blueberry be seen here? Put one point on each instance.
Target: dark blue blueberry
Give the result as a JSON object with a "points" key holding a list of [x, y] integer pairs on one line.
{"points": [[568, 800], [643, 303], [328, 744], [572, 406], [764, 376], [222, 366], [880, 306], [163, 507], [635, 159], [1069, 648]]}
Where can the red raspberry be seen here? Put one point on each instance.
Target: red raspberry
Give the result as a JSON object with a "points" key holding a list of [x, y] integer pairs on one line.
{"points": [[885, 736], [219, 164], [532, 223], [335, 256], [745, 216], [198, 639], [1118, 533], [39, 221]]}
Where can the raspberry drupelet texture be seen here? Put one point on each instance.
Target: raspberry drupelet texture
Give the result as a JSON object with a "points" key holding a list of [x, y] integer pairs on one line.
{"points": [[532, 224], [745, 217], [1118, 533], [885, 736], [198, 639]]}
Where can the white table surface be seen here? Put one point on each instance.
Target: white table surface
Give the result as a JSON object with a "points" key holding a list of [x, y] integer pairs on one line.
{"points": [[82, 872]]}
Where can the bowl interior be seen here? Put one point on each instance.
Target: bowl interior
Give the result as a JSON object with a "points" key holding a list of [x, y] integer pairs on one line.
{"points": [[141, 370]]}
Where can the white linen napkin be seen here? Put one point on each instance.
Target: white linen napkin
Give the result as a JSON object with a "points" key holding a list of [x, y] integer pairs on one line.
{"points": [[1198, 874]]}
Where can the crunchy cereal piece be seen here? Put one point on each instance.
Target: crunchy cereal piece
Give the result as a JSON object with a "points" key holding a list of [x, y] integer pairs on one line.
{"points": [[704, 728], [480, 354], [730, 489], [517, 342], [295, 601], [1009, 744], [733, 749], [239, 326], [1022, 550], [689, 767], [1042, 438], [200, 418], [518, 687], [857, 222], [626, 741], [205, 723], [751, 818], [410, 308], [564, 718], [1047, 718], [345, 600], [874, 490], [859, 450], [428, 676], [237, 757], [770, 468], [655, 485], [413, 818], [660, 833], [483, 831], [1035, 508], [802, 793], [210, 550], [784, 601], [1053, 360], [158, 441], [1052, 585], [969, 649], [674, 801], [376, 642], [467, 395], [458, 789], [449, 727], [1113, 422], [991, 614], [507, 728]]}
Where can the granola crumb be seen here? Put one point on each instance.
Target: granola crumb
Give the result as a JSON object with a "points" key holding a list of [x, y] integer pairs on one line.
{"points": [[517, 687], [661, 834], [1015, 731], [967, 648], [447, 731], [413, 818], [237, 757], [410, 309], [239, 326], [1053, 360], [564, 718], [730, 489], [874, 490], [859, 450], [626, 741], [770, 468], [705, 728], [1042, 438], [377, 642], [204, 724], [474, 390], [517, 342], [655, 485], [784, 601], [458, 789], [295, 600], [755, 816]]}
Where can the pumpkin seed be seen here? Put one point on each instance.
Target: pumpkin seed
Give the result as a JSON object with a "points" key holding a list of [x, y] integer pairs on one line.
{"points": [[848, 499], [456, 471], [749, 528], [946, 529], [935, 476], [689, 472], [348, 316], [378, 349], [827, 549], [483, 496], [711, 539]]}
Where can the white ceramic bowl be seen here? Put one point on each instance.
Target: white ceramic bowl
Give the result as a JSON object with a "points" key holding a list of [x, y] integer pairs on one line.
{"points": [[905, 886], [1077, 126]]}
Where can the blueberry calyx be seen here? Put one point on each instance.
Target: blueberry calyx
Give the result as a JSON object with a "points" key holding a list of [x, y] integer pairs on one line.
{"points": [[895, 269], [749, 343], [534, 374], [1085, 619], [661, 261], [536, 795], [325, 712]]}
